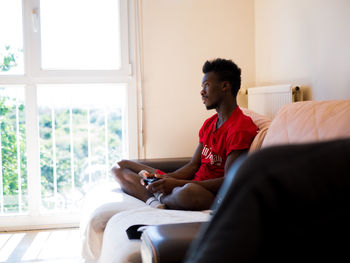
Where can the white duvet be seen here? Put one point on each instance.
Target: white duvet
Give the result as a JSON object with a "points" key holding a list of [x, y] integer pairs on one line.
{"points": [[109, 212]]}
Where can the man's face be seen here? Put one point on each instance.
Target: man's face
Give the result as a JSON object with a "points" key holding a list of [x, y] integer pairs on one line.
{"points": [[211, 91]]}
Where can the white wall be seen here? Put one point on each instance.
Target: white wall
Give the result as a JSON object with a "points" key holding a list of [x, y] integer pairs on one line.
{"points": [[304, 42], [177, 37]]}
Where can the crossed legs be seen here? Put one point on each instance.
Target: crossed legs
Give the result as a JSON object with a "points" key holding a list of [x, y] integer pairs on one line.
{"points": [[126, 174], [188, 197]]}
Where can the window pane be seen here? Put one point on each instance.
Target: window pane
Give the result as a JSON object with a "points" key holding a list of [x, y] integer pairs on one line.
{"points": [[11, 37], [80, 34], [82, 133], [13, 173]]}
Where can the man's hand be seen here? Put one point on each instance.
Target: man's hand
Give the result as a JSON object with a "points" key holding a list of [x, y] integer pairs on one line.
{"points": [[164, 185], [147, 177]]}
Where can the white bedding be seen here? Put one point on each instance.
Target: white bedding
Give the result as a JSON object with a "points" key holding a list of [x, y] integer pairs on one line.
{"points": [[108, 212], [118, 248]]}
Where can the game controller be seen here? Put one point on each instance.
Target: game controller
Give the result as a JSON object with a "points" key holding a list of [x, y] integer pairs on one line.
{"points": [[150, 180]]}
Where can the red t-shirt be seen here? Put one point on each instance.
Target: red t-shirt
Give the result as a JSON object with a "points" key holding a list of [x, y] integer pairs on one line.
{"points": [[236, 133]]}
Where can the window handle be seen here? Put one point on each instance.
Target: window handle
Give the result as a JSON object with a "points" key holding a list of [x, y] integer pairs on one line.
{"points": [[35, 19]]}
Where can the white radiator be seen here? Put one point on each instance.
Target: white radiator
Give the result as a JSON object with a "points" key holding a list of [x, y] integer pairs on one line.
{"points": [[268, 100]]}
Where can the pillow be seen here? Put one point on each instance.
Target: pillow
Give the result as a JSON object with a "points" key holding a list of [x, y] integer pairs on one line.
{"points": [[263, 124], [310, 121]]}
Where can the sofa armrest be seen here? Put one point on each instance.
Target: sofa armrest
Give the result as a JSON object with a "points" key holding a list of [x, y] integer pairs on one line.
{"points": [[169, 242], [165, 164]]}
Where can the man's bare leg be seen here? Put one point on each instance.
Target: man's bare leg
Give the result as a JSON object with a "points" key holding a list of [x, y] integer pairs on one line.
{"points": [[134, 166], [126, 173], [189, 197]]}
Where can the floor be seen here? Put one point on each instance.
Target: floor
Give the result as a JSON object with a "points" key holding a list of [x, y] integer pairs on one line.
{"points": [[54, 246]]}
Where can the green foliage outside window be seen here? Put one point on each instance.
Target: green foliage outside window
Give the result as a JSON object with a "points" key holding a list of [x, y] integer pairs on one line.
{"points": [[9, 145], [8, 60], [82, 168]]}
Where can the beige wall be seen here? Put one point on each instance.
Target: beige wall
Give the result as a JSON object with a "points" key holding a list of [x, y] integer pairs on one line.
{"points": [[177, 37], [304, 42]]}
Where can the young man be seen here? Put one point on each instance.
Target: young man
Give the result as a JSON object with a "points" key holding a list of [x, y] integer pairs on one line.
{"points": [[222, 139]]}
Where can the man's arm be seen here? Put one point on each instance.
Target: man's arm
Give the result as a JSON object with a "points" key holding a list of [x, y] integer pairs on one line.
{"points": [[213, 185], [187, 172], [180, 177]]}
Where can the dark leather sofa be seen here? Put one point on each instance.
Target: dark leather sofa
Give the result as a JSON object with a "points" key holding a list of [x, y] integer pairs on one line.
{"points": [[282, 204]]}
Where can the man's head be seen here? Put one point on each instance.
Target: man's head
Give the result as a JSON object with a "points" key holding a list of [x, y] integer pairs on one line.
{"points": [[222, 78]]}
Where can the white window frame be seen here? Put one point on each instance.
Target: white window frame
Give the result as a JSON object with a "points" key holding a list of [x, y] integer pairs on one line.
{"points": [[129, 73]]}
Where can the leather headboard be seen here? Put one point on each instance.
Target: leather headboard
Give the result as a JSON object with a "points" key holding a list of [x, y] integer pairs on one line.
{"points": [[310, 121]]}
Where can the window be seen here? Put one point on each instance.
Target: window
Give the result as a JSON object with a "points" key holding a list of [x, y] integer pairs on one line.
{"points": [[67, 103], [13, 173], [88, 41], [11, 46]]}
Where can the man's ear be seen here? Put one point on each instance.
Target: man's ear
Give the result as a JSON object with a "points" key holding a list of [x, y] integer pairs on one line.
{"points": [[226, 86]]}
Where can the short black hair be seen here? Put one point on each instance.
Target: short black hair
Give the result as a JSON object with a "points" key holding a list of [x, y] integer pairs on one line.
{"points": [[226, 70]]}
